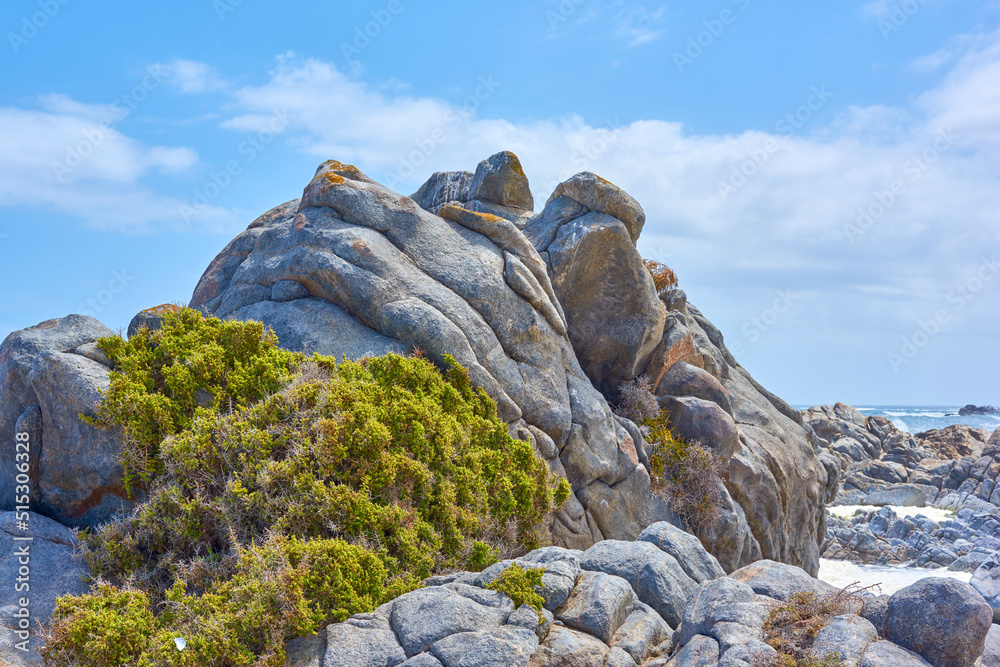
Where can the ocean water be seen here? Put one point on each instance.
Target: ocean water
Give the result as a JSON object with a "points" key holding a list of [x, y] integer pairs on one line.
{"points": [[890, 578], [914, 419]]}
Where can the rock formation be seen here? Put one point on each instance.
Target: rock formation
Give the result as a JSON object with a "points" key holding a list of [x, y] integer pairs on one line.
{"points": [[50, 374], [540, 318]]}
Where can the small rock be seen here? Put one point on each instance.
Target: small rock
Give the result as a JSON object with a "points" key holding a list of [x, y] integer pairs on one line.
{"points": [[151, 318], [599, 605], [500, 179], [780, 581]]}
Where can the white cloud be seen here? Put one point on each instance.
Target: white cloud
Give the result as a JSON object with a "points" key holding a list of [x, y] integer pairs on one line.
{"points": [[639, 25], [191, 77], [67, 157], [790, 224]]}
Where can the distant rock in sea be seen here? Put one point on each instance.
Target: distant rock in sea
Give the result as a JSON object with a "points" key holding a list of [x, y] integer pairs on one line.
{"points": [[978, 410]]}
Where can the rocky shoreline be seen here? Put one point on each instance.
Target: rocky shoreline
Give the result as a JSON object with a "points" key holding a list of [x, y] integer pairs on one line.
{"points": [[550, 314]]}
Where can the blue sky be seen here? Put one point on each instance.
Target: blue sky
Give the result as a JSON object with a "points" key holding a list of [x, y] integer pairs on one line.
{"points": [[822, 176]]}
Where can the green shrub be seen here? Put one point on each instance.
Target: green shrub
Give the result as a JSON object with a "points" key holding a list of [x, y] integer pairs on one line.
{"points": [[315, 491], [521, 586], [160, 377]]}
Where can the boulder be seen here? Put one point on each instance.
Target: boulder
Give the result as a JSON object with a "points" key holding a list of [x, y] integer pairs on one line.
{"points": [[943, 620], [903, 495], [596, 194], [698, 564], [365, 640], [683, 379], [56, 569], [703, 422], [599, 605], [503, 646], [441, 188], [701, 651], [48, 378], [500, 179], [986, 581], [655, 576], [566, 647], [779, 580], [955, 441], [614, 317], [425, 616], [151, 318], [470, 286], [887, 654], [847, 637]]}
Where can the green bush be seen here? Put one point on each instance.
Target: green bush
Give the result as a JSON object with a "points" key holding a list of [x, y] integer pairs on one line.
{"points": [[315, 491], [160, 377], [521, 586]]}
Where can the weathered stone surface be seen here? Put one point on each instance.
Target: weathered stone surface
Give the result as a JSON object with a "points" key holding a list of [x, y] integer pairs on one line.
{"points": [[943, 620], [365, 640], [56, 570], [683, 379], [422, 660], [316, 325], [655, 576], [18, 353], [991, 651], [472, 287], [427, 615], [779, 580], [619, 658], [502, 647], [151, 318], [500, 179], [699, 565], [306, 651], [887, 654], [642, 631], [876, 610], [986, 581], [847, 637], [614, 316], [719, 600], [593, 192], [288, 290], [80, 474], [565, 647], [700, 651], [599, 605], [704, 422], [443, 187]]}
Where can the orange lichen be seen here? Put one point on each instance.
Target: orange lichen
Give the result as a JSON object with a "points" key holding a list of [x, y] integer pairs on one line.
{"points": [[334, 179], [164, 309]]}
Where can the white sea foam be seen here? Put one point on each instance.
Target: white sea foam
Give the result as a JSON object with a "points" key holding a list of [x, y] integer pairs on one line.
{"points": [[900, 424], [841, 573], [933, 513]]}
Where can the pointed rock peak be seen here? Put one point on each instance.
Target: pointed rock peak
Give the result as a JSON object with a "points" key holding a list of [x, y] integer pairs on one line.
{"points": [[597, 194], [443, 187], [500, 179], [336, 172]]}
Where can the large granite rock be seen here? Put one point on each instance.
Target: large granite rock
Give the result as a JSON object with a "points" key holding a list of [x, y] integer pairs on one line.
{"points": [[353, 268], [397, 277], [944, 620], [614, 316], [986, 581], [54, 569], [50, 374]]}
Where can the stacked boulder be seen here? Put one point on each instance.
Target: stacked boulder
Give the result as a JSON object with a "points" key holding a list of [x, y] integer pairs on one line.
{"points": [[662, 601]]}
